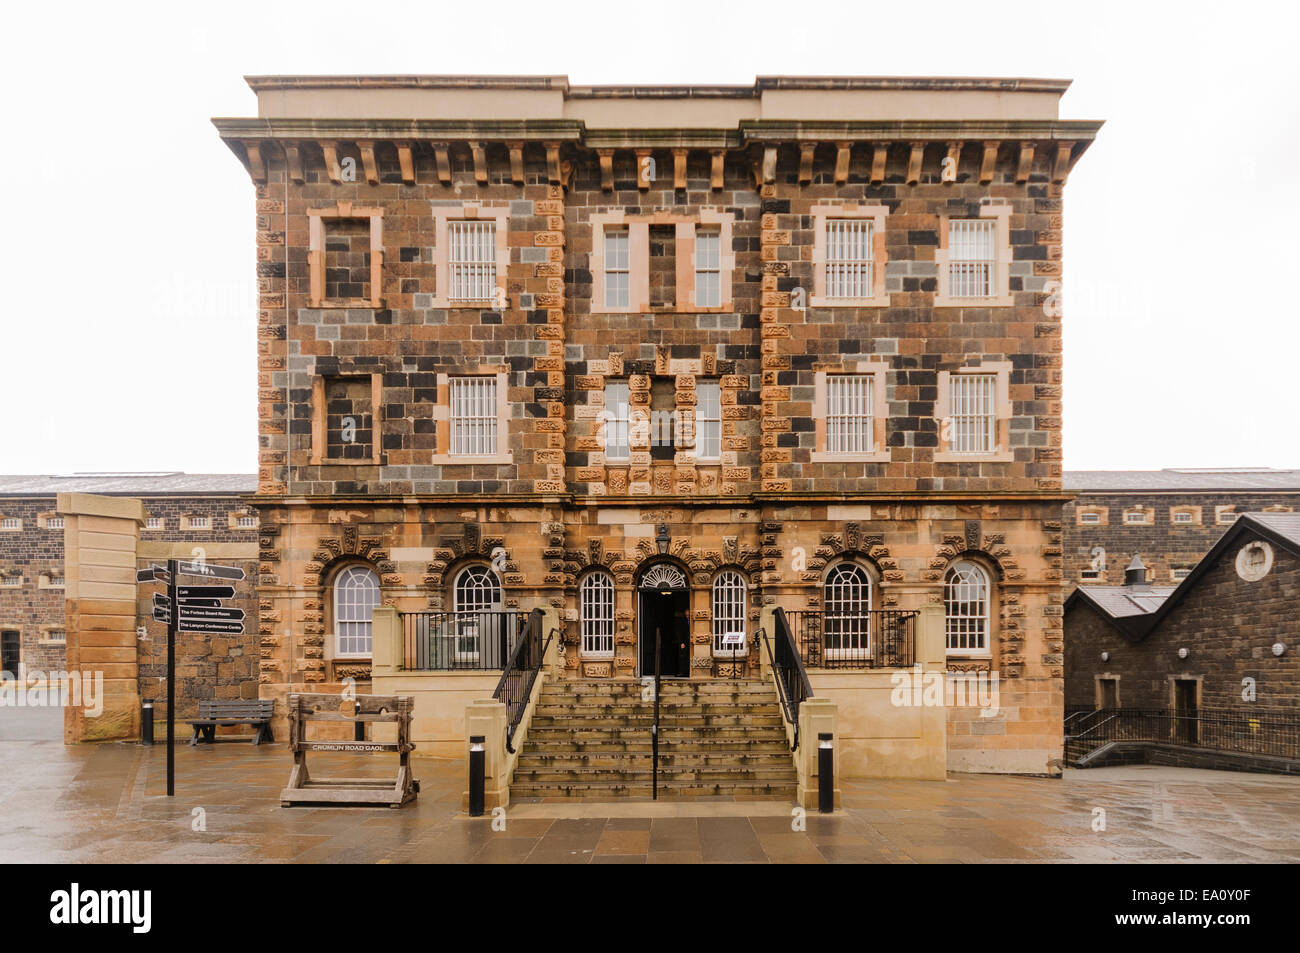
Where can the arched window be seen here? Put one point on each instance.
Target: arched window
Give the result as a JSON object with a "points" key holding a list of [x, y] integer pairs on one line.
{"points": [[479, 622], [966, 608], [729, 613], [356, 594], [596, 612], [847, 604]]}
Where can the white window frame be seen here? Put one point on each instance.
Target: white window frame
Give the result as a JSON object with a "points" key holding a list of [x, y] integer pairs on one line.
{"points": [[357, 593], [845, 613], [472, 260], [850, 416], [11, 582], [476, 590], [54, 522], [1141, 519], [708, 265], [618, 265], [444, 216], [596, 615], [616, 431], [966, 598], [972, 257], [155, 522], [850, 258], [1090, 518], [473, 415], [728, 601], [11, 524], [708, 420], [198, 522], [245, 521], [973, 414]]}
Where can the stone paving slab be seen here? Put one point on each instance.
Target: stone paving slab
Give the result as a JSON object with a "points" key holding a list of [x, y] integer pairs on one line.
{"points": [[106, 803]]}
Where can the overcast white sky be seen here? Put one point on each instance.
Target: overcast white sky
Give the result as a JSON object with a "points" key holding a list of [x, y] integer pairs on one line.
{"points": [[128, 226]]}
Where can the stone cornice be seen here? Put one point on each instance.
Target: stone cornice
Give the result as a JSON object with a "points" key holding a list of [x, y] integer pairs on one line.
{"points": [[450, 130], [937, 130]]}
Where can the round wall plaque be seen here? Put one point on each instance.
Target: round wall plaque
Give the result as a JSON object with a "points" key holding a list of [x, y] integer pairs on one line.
{"points": [[1254, 560]]}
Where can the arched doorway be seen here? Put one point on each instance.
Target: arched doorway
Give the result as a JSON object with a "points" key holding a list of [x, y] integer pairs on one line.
{"points": [[663, 606]]}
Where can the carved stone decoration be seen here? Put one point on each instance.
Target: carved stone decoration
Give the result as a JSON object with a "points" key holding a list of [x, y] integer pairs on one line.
{"points": [[972, 534], [664, 576]]}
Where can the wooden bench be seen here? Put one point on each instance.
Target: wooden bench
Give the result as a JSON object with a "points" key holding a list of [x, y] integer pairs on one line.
{"points": [[224, 712]]}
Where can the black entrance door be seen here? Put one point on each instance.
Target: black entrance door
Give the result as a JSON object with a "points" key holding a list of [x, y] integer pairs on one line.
{"points": [[664, 611], [9, 653]]}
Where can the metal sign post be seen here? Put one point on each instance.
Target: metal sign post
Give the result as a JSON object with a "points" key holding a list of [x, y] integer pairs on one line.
{"points": [[172, 618]]}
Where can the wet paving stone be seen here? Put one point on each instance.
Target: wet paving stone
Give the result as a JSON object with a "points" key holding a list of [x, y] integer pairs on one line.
{"points": [[106, 803]]}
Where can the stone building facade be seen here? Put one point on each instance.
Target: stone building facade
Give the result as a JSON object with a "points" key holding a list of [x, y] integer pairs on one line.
{"points": [[1171, 517], [526, 344], [187, 516], [1209, 643]]}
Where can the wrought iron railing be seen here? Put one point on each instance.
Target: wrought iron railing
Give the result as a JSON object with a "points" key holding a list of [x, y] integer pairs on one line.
{"points": [[1268, 732], [880, 638], [792, 683], [522, 668], [460, 641]]}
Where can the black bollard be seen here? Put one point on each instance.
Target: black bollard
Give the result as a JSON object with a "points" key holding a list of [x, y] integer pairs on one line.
{"points": [[477, 771], [146, 722], [359, 732], [825, 774]]}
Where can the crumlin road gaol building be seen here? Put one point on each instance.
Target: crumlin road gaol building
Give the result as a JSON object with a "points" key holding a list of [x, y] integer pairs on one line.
{"points": [[666, 358]]}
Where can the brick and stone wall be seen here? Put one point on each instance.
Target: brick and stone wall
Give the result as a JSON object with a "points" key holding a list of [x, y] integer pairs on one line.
{"points": [[1227, 624], [1164, 545], [36, 553]]}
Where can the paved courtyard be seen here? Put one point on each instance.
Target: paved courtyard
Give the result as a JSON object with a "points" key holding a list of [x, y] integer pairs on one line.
{"points": [[106, 803]]}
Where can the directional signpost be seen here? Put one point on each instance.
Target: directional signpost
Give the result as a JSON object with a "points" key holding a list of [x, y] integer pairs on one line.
{"points": [[190, 609]]}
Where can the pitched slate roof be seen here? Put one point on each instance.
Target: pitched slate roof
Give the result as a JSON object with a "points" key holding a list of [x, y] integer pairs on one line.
{"points": [[1213, 478], [173, 483], [1137, 610]]}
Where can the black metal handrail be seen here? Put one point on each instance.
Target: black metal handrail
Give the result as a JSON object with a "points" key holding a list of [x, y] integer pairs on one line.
{"points": [[1270, 732], [792, 682], [460, 641], [878, 638], [520, 674]]}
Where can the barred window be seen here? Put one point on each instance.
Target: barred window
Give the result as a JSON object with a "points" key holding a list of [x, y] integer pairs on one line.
{"points": [[708, 420], [848, 257], [473, 260], [966, 608], [473, 415], [617, 268], [1182, 516], [971, 257], [729, 612], [616, 421], [153, 522], [972, 412], [849, 423], [56, 635], [1089, 517], [356, 594], [12, 582], [54, 580], [246, 522], [54, 522], [197, 522], [708, 269], [596, 612], [11, 522], [847, 602]]}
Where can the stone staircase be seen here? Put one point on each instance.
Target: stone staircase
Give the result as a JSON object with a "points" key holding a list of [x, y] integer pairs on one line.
{"points": [[591, 738]]}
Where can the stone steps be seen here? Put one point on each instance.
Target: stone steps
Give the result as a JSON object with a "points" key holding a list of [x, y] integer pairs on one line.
{"points": [[592, 739]]}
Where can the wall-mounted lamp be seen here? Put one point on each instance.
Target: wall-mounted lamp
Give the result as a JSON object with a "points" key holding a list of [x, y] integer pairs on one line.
{"points": [[1278, 648], [1183, 653], [662, 539], [1105, 656]]}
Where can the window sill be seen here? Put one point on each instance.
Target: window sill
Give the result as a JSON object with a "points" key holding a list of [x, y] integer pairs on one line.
{"points": [[999, 301], [876, 301], [342, 304], [726, 655], [469, 460], [353, 462], [52, 642], [825, 456], [984, 656], [947, 456]]}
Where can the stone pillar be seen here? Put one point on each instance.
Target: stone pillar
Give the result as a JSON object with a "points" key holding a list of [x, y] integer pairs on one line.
{"points": [[100, 536], [816, 715], [488, 718], [387, 648], [931, 638]]}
